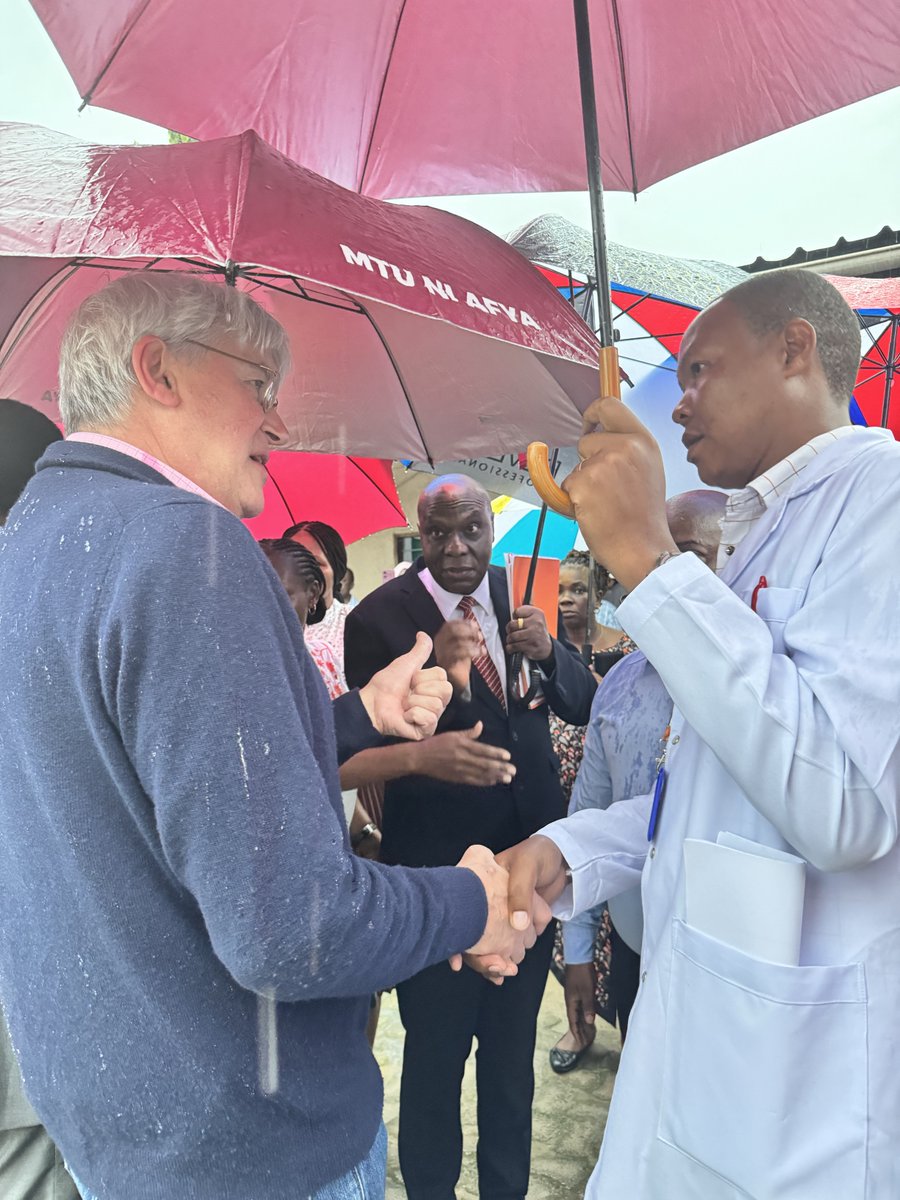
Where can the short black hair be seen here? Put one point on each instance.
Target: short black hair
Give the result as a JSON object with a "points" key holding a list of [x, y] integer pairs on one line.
{"points": [[331, 542], [25, 434], [304, 565], [768, 301]]}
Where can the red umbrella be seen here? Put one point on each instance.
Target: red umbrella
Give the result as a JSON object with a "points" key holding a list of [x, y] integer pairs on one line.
{"points": [[355, 495], [414, 333], [877, 391]]}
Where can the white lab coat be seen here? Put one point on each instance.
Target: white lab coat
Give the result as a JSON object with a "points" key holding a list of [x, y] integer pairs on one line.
{"points": [[743, 1078]]}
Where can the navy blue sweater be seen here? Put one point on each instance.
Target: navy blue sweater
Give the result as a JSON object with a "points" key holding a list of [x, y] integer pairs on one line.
{"points": [[172, 846]]}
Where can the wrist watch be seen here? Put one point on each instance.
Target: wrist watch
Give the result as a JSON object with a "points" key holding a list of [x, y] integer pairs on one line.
{"points": [[364, 834]]}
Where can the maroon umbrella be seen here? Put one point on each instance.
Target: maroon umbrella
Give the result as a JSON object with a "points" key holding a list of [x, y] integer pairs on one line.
{"points": [[414, 333], [442, 97]]}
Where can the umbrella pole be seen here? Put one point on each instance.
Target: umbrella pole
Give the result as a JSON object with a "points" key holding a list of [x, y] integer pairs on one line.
{"points": [[515, 665], [889, 369], [587, 650], [544, 484], [609, 359]]}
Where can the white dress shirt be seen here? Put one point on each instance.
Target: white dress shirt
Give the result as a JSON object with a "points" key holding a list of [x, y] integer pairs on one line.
{"points": [[745, 507]]}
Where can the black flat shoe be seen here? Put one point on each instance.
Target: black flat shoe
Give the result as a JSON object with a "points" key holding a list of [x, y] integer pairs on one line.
{"points": [[563, 1061]]}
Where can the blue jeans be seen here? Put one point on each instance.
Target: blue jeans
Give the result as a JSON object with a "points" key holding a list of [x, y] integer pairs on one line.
{"points": [[364, 1182]]}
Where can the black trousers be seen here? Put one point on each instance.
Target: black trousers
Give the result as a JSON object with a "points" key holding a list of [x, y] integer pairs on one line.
{"points": [[624, 979], [442, 1012]]}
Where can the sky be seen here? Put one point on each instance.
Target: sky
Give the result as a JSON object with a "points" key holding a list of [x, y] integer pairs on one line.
{"points": [[832, 177]]}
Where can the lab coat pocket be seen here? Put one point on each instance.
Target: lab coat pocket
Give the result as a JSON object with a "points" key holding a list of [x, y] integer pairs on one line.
{"points": [[764, 1075], [776, 606]]}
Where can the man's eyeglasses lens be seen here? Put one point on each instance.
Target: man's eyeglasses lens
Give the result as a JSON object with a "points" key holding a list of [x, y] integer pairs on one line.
{"points": [[266, 394]]}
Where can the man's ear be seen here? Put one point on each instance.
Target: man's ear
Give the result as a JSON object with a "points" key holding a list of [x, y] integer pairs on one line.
{"points": [[152, 365], [799, 343]]}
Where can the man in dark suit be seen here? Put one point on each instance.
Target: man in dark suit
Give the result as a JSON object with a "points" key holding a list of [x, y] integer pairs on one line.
{"points": [[453, 594]]}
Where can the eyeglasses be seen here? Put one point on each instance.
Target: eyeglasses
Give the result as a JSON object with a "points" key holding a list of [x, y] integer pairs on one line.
{"points": [[265, 392]]}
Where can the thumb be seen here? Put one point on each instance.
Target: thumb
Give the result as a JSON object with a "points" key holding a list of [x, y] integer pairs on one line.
{"points": [[522, 867], [416, 658], [475, 732], [610, 415]]}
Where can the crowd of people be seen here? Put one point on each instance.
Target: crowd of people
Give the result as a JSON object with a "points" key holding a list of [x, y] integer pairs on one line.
{"points": [[236, 805]]}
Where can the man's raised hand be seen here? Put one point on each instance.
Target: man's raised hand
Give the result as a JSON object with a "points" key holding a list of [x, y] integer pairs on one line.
{"points": [[455, 645], [619, 492]]}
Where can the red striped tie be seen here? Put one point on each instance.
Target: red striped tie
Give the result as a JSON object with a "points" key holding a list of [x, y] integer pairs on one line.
{"points": [[483, 663]]}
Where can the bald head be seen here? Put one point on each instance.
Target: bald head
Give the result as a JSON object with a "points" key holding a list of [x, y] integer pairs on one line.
{"points": [[694, 522], [453, 489], [456, 528]]}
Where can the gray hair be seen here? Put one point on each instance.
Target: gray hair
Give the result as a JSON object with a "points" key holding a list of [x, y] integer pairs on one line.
{"points": [[96, 380]]}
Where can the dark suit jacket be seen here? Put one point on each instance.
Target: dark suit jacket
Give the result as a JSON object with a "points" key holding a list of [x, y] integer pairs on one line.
{"points": [[431, 823]]}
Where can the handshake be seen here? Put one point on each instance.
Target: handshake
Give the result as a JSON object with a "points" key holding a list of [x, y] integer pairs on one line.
{"points": [[520, 885]]}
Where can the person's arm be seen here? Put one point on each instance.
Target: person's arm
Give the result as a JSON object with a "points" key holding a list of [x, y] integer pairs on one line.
{"points": [[354, 732], [593, 789], [456, 756], [225, 721], [578, 935], [810, 734], [580, 860]]}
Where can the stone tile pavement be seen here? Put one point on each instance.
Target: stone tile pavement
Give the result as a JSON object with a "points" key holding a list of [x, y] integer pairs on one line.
{"points": [[569, 1110]]}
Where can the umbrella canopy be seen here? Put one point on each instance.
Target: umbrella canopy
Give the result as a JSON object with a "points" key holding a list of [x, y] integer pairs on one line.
{"points": [[357, 496], [654, 299], [515, 526], [414, 333], [877, 391], [552, 238], [454, 97]]}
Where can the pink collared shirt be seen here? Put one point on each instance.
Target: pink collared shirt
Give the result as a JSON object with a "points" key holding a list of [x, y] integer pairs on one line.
{"points": [[173, 476]]}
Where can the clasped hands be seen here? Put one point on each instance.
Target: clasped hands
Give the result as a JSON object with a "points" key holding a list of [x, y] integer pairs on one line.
{"points": [[520, 885]]}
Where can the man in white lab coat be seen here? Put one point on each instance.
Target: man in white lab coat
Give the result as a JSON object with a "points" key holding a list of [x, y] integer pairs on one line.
{"points": [[743, 1076]]}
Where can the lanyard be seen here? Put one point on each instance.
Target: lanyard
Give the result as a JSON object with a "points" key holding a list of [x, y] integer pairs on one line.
{"points": [[659, 790]]}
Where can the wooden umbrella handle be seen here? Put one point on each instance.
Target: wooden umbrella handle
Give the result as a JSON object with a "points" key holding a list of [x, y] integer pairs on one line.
{"points": [[538, 458]]}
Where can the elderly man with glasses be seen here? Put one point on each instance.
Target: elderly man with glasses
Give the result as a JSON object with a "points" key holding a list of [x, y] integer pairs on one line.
{"points": [[188, 944]]}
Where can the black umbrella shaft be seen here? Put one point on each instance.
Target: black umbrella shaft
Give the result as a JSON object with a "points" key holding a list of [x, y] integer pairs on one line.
{"points": [[890, 368], [592, 155], [535, 554]]}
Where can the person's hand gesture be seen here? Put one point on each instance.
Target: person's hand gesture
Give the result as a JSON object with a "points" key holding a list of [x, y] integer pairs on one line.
{"points": [[405, 700], [619, 492], [527, 634], [459, 757], [455, 645]]}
